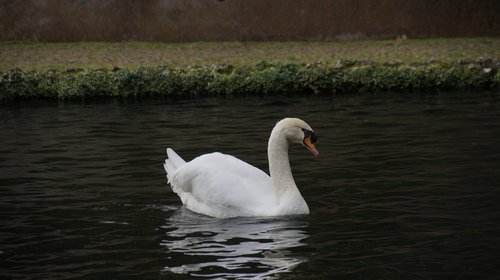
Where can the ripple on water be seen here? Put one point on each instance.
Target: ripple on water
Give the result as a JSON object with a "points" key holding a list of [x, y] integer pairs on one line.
{"points": [[406, 187], [244, 248]]}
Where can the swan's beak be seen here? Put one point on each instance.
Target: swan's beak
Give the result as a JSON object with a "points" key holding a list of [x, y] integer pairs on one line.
{"points": [[310, 146]]}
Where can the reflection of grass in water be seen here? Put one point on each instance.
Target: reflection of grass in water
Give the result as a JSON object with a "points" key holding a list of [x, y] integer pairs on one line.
{"points": [[92, 55]]}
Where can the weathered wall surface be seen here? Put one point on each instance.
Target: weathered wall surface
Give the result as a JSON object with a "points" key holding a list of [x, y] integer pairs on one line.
{"points": [[193, 20]]}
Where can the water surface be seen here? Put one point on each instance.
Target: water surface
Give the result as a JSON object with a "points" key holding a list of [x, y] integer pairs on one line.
{"points": [[407, 187]]}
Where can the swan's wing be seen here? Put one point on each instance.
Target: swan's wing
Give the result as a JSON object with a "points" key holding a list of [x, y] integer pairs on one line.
{"points": [[172, 163], [223, 186]]}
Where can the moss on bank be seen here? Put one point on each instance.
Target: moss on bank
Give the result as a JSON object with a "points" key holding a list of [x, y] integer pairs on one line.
{"points": [[260, 78]]}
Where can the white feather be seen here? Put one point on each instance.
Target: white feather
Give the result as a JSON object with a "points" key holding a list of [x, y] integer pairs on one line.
{"points": [[223, 186]]}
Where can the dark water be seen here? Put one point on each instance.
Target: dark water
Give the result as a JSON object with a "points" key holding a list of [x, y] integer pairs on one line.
{"points": [[407, 187]]}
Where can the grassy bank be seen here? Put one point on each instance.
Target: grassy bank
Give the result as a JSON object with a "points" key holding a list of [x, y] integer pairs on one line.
{"points": [[29, 56], [84, 70], [261, 78]]}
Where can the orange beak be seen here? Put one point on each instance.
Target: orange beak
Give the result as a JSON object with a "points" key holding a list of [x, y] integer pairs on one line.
{"points": [[310, 146]]}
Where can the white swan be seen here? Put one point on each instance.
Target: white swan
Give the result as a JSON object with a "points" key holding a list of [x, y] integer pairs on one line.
{"points": [[223, 186]]}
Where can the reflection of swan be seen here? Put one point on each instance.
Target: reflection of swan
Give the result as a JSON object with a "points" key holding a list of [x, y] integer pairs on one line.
{"points": [[223, 186], [235, 248]]}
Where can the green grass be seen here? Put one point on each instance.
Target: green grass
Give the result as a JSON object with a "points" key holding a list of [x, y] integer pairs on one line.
{"points": [[95, 55], [263, 78], [95, 70]]}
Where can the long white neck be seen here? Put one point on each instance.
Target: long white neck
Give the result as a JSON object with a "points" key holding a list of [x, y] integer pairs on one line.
{"points": [[288, 196], [279, 166]]}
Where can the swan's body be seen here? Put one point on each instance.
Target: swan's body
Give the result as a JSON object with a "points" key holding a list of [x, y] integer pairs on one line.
{"points": [[223, 186]]}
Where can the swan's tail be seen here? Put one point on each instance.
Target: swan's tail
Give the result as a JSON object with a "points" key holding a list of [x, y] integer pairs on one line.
{"points": [[172, 163]]}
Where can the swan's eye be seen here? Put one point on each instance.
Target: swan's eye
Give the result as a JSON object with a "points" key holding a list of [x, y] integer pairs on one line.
{"points": [[308, 133], [313, 138]]}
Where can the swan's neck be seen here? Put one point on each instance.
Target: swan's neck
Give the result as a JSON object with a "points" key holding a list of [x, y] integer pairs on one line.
{"points": [[279, 167]]}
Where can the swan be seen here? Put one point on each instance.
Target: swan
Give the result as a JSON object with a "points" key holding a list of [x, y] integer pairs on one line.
{"points": [[223, 186]]}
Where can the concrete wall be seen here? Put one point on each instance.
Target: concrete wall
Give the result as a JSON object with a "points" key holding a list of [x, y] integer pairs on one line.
{"points": [[193, 20]]}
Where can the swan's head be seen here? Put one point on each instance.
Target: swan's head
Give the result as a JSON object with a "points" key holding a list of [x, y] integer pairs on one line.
{"points": [[298, 131]]}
